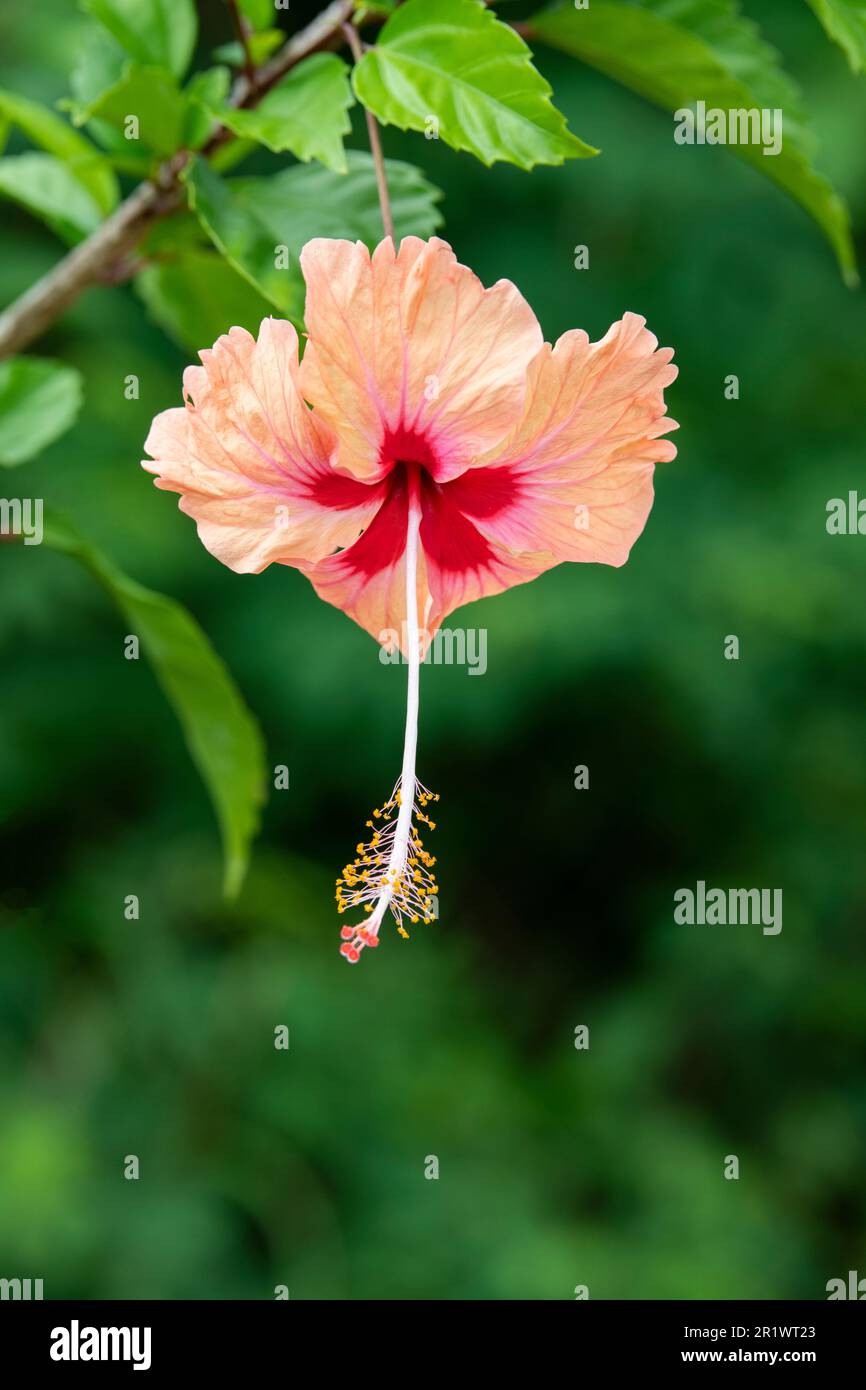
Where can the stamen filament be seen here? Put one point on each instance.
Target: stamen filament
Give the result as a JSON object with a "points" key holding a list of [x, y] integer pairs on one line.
{"points": [[400, 848], [406, 884]]}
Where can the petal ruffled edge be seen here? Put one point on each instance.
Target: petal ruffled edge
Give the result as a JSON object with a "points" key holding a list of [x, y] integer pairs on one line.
{"points": [[575, 478], [408, 344], [252, 465]]}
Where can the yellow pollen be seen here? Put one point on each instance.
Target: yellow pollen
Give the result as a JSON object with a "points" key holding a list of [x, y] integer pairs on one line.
{"points": [[406, 885]]}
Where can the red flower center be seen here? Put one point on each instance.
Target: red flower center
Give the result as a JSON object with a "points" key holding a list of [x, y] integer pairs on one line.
{"points": [[448, 537]]}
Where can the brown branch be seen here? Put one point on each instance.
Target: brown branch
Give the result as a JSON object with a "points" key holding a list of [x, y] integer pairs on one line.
{"points": [[87, 263], [243, 37]]}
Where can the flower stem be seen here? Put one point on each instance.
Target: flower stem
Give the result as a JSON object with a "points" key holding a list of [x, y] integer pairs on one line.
{"points": [[354, 41]]}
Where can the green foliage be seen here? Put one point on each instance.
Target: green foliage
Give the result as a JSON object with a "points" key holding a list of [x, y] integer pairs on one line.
{"points": [[224, 740], [447, 68], [202, 93], [195, 295], [309, 202], [52, 134], [845, 22], [249, 220], [156, 33], [231, 154], [453, 61], [152, 96], [677, 52], [305, 114], [190, 289], [259, 13], [231, 219], [99, 65], [39, 401], [50, 191]]}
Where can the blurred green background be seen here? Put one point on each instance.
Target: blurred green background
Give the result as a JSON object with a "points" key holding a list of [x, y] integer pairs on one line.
{"points": [[557, 1167]]}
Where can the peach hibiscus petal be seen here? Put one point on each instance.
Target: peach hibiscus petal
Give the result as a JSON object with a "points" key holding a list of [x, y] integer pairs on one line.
{"points": [[368, 579], [576, 475], [408, 350], [462, 564], [251, 463]]}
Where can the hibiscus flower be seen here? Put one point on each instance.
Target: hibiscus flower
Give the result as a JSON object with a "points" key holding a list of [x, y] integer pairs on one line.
{"points": [[430, 449]]}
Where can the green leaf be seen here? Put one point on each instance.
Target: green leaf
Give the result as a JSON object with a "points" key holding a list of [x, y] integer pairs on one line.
{"points": [[248, 218], [167, 236], [57, 137], [231, 154], [233, 225], [845, 22], [39, 401], [195, 296], [223, 738], [47, 188], [453, 62], [157, 33], [260, 13], [203, 92], [678, 52], [99, 65], [305, 114], [152, 96], [308, 201]]}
